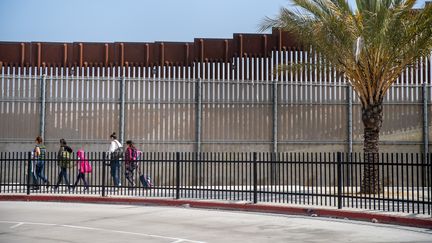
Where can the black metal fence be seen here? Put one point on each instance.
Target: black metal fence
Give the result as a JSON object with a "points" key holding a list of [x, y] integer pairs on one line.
{"points": [[323, 179]]}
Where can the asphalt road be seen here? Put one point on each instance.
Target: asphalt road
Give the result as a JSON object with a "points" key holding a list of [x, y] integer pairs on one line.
{"points": [[70, 222]]}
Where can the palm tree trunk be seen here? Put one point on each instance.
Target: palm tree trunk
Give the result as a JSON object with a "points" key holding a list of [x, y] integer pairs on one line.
{"points": [[372, 121]]}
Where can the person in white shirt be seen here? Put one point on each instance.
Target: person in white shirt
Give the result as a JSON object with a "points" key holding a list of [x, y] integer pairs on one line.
{"points": [[114, 160]]}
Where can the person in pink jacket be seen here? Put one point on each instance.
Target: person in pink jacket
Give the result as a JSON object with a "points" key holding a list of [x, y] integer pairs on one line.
{"points": [[84, 167]]}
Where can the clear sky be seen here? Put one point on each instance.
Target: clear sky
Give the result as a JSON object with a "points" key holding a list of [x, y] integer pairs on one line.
{"points": [[132, 20]]}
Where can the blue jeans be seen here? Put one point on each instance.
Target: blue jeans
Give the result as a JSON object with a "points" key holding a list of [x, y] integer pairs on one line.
{"points": [[63, 174], [34, 179], [40, 170], [115, 167]]}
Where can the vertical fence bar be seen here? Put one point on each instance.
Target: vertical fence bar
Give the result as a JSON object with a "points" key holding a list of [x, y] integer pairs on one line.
{"points": [[178, 175], [350, 120], [103, 173], [198, 109], [425, 121], [339, 179], [122, 109], [255, 178], [7, 170], [18, 171], [198, 128], [429, 164], [273, 166], [43, 106], [275, 117], [2, 170], [350, 133], [29, 165]]}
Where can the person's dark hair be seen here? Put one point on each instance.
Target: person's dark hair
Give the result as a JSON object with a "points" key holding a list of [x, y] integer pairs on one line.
{"points": [[63, 142], [39, 139], [113, 135], [130, 143]]}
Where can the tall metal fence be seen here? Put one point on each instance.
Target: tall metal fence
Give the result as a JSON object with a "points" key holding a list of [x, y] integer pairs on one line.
{"points": [[325, 179], [208, 106]]}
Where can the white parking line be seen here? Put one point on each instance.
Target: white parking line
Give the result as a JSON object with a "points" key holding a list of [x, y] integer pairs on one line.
{"points": [[132, 233], [17, 225], [176, 240]]}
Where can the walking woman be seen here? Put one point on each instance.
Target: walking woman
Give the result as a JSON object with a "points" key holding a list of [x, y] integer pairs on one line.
{"points": [[84, 167], [39, 156], [131, 162], [64, 161], [115, 152]]}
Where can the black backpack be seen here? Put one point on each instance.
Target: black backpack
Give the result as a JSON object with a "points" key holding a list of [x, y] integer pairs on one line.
{"points": [[118, 153]]}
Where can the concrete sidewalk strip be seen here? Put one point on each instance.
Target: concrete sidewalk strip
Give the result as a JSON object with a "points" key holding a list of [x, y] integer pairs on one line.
{"points": [[415, 220], [363, 202]]}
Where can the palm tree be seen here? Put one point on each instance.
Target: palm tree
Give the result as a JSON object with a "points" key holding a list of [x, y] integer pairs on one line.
{"points": [[371, 45]]}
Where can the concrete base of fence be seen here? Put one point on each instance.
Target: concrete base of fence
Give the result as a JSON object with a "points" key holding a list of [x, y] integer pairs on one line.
{"points": [[375, 217]]}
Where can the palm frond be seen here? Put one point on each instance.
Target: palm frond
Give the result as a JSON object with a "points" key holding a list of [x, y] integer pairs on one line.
{"points": [[393, 35]]}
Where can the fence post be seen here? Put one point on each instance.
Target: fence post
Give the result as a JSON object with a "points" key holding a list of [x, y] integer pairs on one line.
{"points": [[1, 166], [122, 108], [350, 121], [29, 165], [103, 173], [350, 132], [255, 179], [198, 129], [198, 110], [429, 164], [339, 178], [425, 121], [43, 107], [273, 168], [275, 117], [178, 175]]}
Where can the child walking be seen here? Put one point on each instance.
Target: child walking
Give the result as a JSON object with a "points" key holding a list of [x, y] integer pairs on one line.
{"points": [[84, 167], [131, 162]]}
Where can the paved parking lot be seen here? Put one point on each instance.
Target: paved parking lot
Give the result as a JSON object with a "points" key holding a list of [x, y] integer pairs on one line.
{"points": [[71, 222]]}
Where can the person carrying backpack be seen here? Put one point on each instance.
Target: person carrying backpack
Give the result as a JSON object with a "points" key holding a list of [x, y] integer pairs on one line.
{"points": [[116, 153], [84, 167], [64, 157], [131, 155], [39, 152]]}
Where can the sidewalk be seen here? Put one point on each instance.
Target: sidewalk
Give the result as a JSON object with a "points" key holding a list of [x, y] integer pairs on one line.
{"points": [[397, 218]]}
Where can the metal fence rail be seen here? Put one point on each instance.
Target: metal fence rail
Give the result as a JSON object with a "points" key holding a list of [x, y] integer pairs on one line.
{"points": [[193, 114], [325, 179]]}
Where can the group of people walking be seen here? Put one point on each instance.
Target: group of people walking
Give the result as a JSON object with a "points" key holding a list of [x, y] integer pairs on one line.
{"points": [[131, 155], [116, 153]]}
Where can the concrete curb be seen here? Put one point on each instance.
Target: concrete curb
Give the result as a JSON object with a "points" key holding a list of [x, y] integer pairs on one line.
{"points": [[290, 210]]}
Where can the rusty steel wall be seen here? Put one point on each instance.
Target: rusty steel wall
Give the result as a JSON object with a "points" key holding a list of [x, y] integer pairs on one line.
{"points": [[249, 56], [85, 54]]}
